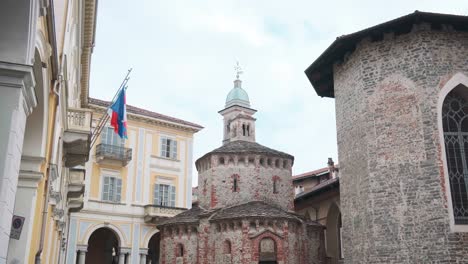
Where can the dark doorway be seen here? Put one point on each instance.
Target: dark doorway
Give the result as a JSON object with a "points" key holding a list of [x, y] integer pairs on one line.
{"points": [[103, 247], [153, 249]]}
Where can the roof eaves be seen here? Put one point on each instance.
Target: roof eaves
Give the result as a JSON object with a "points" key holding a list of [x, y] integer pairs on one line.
{"points": [[320, 72]]}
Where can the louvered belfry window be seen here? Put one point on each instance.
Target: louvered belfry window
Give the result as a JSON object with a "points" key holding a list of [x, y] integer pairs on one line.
{"points": [[455, 123]]}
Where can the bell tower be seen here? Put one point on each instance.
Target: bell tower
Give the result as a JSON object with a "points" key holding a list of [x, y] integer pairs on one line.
{"points": [[239, 123]]}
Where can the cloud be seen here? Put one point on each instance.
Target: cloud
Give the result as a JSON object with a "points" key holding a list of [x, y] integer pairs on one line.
{"points": [[183, 53]]}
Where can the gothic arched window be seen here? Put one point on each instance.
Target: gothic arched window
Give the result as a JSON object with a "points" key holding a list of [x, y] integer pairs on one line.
{"points": [[455, 124]]}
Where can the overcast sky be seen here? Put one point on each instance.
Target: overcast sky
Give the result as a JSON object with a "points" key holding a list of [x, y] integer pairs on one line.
{"points": [[183, 55]]}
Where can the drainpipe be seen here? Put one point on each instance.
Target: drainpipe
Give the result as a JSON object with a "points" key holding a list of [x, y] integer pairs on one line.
{"points": [[37, 259]]}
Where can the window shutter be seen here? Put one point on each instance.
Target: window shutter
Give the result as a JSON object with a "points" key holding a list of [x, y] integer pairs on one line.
{"points": [[172, 196], [165, 194], [174, 149], [157, 198], [111, 189], [163, 147], [119, 190], [105, 189]]}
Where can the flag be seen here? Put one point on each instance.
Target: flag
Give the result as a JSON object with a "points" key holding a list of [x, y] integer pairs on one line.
{"points": [[118, 114]]}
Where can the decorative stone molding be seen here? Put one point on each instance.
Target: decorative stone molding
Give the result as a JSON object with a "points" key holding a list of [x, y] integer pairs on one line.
{"points": [[21, 77], [58, 213], [82, 248], [125, 250]]}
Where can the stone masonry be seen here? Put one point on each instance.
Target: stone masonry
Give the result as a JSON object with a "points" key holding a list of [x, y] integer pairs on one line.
{"points": [[393, 194], [245, 204]]}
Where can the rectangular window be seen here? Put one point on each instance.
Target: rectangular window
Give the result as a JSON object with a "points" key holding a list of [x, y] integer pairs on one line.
{"points": [[111, 189], [109, 137], [164, 195], [168, 148]]}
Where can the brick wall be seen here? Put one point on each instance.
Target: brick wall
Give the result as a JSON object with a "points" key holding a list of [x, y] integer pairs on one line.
{"points": [[254, 181]]}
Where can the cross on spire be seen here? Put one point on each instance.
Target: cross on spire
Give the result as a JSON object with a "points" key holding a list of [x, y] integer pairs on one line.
{"points": [[238, 70]]}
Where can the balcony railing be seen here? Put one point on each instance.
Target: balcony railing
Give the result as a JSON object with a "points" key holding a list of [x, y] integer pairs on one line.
{"points": [[154, 213], [76, 140], [112, 154], [79, 119]]}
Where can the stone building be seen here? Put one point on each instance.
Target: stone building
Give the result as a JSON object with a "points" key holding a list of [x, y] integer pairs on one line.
{"points": [[401, 97], [245, 203], [320, 201]]}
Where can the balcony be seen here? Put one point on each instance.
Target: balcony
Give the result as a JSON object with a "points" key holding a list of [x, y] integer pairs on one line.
{"points": [[156, 213], [75, 204], [76, 182], [77, 136], [113, 155]]}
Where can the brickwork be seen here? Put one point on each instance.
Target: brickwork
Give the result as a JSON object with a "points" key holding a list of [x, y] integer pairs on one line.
{"points": [[246, 201], [255, 181], [392, 191]]}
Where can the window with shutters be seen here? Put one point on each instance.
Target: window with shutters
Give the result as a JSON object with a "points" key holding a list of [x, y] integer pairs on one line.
{"points": [[455, 125], [164, 195], [111, 189], [109, 137], [168, 148]]}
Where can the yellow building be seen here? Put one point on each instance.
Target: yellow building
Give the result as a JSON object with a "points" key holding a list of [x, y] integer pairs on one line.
{"points": [[44, 138], [131, 185]]}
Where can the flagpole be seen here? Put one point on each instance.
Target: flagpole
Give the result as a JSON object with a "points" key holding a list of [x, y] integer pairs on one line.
{"points": [[105, 117]]}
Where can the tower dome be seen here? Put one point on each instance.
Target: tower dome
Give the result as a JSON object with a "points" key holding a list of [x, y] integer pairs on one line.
{"points": [[237, 96]]}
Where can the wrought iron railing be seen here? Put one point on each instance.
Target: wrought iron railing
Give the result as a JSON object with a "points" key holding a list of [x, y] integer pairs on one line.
{"points": [[114, 152]]}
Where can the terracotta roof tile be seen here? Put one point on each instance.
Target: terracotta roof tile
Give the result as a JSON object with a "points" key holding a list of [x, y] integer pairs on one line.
{"points": [[310, 173]]}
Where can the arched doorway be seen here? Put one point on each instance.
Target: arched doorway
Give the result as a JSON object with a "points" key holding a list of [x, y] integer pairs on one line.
{"points": [[153, 249], [333, 234], [267, 251], [103, 247]]}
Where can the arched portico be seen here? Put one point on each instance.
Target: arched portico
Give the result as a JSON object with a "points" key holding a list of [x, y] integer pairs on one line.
{"points": [[103, 243], [153, 249]]}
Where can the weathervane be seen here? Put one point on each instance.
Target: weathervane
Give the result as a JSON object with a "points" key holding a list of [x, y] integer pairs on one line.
{"points": [[238, 70]]}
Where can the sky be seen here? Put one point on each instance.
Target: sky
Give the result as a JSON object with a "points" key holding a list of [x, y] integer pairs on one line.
{"points": [[183, 55]]}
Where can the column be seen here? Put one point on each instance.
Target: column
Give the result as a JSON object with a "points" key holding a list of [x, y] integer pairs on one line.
{"points": [[143, 254], [17, 99], [124, 251], [82, 256]]}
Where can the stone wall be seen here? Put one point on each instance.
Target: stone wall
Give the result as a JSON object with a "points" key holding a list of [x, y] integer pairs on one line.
{"points": [[393, 199], [208, 243], [255, 175]]}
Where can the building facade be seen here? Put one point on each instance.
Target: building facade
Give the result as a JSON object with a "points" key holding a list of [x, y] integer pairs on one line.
{"points": [[318, 199], [44, 64], [245, 204], [131, 185], [401, 92]]}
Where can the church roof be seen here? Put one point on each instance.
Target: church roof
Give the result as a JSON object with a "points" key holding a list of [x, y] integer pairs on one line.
{"points": [[247, 147], [320, 72], [253, 209], [237, 96]]}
